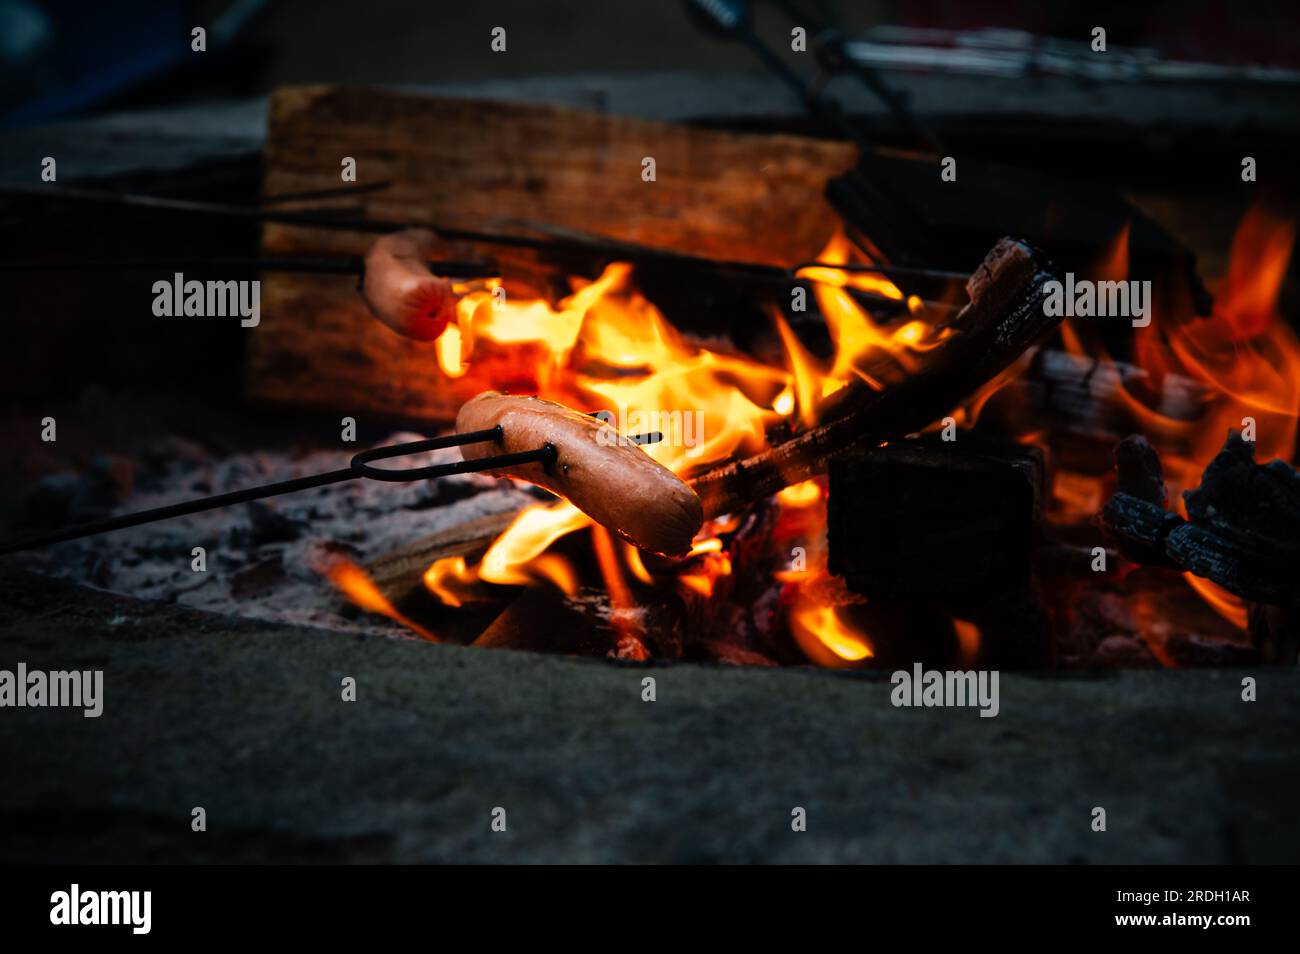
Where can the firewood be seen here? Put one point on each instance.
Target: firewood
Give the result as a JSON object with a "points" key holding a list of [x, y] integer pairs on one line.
{"points": [[1004, 317], [399, 575], [478, 165], [541, 619], [1139, 470], [951, 527], [1233, 567], [1255, 506], [1242, 534], [1139, 528]]}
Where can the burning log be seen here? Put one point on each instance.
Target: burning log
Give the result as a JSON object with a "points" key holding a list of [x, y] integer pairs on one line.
{"points": [[399, 575], [479, 166], [1136, 516], [1256, 507], [1005, 316], [1244, 534], [586, 624]]}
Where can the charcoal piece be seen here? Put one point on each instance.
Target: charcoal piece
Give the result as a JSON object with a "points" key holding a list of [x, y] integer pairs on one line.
{"points": [[268, 524], [1256, 507], [1244, 531], [1139, 527], [542, 619], [1140, 473], [1263, 579]]}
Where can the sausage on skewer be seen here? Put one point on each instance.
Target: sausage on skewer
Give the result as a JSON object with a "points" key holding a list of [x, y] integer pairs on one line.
{"points": [[602, 473], [399, 289]]}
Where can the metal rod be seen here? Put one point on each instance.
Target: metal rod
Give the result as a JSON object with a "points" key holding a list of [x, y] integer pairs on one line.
{"points": [[322, 265], [331, 193], [833, 58], [305, 218], [591, 245], [598, 245], [179, 509], [358, 467]]}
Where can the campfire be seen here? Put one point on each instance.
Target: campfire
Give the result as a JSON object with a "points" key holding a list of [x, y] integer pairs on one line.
{"points": [[861, 447], [1037, 433]]}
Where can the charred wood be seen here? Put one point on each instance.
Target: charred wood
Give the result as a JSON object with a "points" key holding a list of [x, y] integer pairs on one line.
{"points": [[1004, 317], [1244, 531]]}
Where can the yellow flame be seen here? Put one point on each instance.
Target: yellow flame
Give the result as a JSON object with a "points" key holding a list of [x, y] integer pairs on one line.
{"points": [[804, 494], [442, 577], [535, 529], [808, 381], [515, 558], [636, 564], [605, 346], [448, 348], [818, 628]]}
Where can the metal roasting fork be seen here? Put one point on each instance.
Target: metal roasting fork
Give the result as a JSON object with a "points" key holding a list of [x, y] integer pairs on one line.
{"points": [[359, 467]]}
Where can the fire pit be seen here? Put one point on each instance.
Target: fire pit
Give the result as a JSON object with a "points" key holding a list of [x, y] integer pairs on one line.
{"points": [[994, 459], [895, 464]]}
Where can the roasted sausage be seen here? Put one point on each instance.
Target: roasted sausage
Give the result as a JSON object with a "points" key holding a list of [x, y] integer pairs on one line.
{"points": [[608, 478], [399, 289]]}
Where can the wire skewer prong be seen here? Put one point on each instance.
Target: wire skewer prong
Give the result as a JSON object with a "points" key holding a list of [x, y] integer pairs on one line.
{"points": [[359, 467]]}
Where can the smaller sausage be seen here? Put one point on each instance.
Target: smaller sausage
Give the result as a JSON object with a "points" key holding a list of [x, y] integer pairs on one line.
{"points": [[611, 480], [399, 289]]}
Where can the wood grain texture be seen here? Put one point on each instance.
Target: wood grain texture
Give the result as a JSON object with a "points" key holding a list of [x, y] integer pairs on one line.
{"points": [[478, 165]]}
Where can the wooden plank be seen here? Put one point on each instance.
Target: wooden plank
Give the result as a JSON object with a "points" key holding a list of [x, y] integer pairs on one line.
{"points": [[471, 164]]}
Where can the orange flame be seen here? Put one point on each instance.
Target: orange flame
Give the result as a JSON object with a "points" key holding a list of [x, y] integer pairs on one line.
{"points": [[606, 346], [358, 587], [968, 641], [805, 494], [516, 557], [825, 637], [1228, 605], [1243, 357]]}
